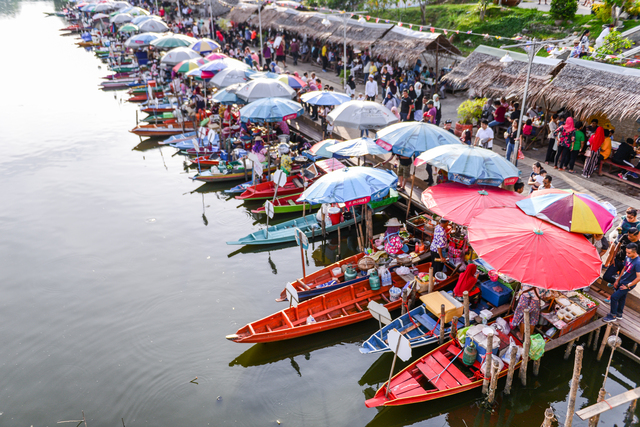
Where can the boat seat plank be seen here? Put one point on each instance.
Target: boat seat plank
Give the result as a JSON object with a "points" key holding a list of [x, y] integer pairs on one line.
{"points": [[425, 320], [456, 373], [406, 386], [446, 376], [291, 202], [426, 367], [298, 183]]}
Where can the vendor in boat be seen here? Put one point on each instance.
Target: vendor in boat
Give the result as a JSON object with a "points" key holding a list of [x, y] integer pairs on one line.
{"points": [[457, 248], [392, 241], [529, 297], [439, 244]]}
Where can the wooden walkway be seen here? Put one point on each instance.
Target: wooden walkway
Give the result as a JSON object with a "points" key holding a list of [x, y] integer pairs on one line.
{"points": [[630, 322]]}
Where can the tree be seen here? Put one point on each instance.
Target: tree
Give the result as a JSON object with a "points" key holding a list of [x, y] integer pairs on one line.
{"points": [[613, 44], [564, 9], [482, 8]]}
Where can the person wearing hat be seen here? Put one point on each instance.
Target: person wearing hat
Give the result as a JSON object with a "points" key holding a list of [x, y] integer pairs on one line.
{"points": [[577, 49], [371, 89], [392, 242], [438, 244], [447, 126], [294, 48]]}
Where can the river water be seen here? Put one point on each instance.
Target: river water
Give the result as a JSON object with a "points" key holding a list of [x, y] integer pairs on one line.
{"points": [[118, 288]]}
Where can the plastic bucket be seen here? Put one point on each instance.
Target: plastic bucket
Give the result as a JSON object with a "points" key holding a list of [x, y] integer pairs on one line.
{"points": [[440, 276], [336, 272], [151, 83], [394, 293], [336, 215]]}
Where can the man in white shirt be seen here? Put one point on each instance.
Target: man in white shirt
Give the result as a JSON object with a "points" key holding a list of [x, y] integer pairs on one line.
{"points": [[484, 136], [371, 89]]}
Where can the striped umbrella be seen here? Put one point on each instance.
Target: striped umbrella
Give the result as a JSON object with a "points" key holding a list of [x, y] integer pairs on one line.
{"points": [[293, 81], [188, 65], [571, 211], [204, 46], [319, 149]]}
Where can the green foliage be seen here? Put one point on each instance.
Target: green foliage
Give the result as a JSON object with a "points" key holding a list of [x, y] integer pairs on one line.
{"points": [[471, 110], [633, 8], [602, 11], [613, 44], [564, 9], [377, 6]]}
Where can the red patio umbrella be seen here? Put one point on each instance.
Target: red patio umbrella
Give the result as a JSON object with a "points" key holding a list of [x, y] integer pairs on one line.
{"points": [[533, 251], [460, 203]]}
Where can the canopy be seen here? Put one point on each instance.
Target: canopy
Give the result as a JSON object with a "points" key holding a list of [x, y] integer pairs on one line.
{"points": [[356, 148], [362, 115], [320, 149], [204, 46], [352, 186], [172, 40], [140, 40], [128, 28], [141, 18], [324, 97], [461, 203], [153, 26], [216, 55], [188, 65], [253, 74], [220, 64], [471, 165], [121, 18], [293, 81], [179, 54], [225, 97], [532, 251], [571, 211], [229, 76], [413, 138], [264, 88], [270, 110]]}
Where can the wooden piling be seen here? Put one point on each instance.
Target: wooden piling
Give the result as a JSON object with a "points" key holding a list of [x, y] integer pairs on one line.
{"points": [[494, 382], [634, 348], [412, 295], [567, 352], [465, 296], [536, 367], [488, 363], [548, 417], [369, 225], [607, 332], [596, 335], [590, 339], [593, 421], [628, 417], [526, 347], [405, 296], [575, 383], [454, 327], [512, 367], [431, 279], [442, 316]]}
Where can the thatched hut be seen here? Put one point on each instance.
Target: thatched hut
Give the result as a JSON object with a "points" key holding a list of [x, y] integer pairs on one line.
{"points": [[242, 12], [589, 87], [404, 44]]}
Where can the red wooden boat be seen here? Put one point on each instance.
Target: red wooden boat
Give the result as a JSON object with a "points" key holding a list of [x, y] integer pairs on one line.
{"points": [[438, 374], [162, 129], [204, 161], [266, 190], [312, 286], [143, 97], [152, 109], [287, 204], [344, 306]]}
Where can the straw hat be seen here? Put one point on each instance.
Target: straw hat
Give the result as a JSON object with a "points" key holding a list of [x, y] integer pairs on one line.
{"points": [[258, 138], [393, 222]]}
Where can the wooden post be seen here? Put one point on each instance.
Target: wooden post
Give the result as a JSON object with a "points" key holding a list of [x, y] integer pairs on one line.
{"points": [[526, 346], [548, 417], [494, 382], [304, 272], [512, 366], [244, 162], [405, 296], [567, 352], [363, 241], [465, 296], [628, 418], [442, 316], [536, 367], [634, 348], [430, 278], [590, 339], [607, 332], [369, 223], [596, 335], [575, 383], [412, 295], [338, 242], [413, 179], [488, 363], [593, 421], [454, 327]]}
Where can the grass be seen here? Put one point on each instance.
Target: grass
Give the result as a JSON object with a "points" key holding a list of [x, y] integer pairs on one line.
{"points": [[503, 22]]}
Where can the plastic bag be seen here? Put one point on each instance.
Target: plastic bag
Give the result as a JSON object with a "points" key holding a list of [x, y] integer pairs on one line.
{"points": [[506, 357], [494, 358], [537, 347], [311, 320], [462, 334]]}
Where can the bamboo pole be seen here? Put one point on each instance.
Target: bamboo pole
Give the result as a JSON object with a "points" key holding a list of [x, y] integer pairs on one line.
{"points": [[593, 421], [430, 278], [548, 417], [512, 367], [536, 367], [442, 316], [412, 295], [369, 224], [526, 347], [575, 383], [494, 382], [413, 179], [488, 362], [596, 335], [607, 332], [338, 242], [567, 352], [465, 296], [590, 339], [634, 348]]}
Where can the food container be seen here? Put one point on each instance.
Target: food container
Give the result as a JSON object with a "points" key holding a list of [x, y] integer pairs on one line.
{"points": [[494, 297]]}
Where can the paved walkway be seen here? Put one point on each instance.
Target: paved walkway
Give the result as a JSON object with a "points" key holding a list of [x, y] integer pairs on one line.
{"points": [[533, 4]]}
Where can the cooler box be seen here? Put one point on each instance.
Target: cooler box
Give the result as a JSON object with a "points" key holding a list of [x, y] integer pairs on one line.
{"points": [[493, 296], [452, 307]]}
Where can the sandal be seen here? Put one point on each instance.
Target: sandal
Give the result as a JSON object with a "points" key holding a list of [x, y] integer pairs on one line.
{"points": [[571, 171]]}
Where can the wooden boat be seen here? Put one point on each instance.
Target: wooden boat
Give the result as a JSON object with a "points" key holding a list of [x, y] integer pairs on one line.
{"points": [[161, 129], [266, 190], [318, 284], [178, 138], [341, 307], [160, 108], [117, 76], [310, 226], [419, 326], [73, 28], [287, 204], [158, 118], [144, 97], [438, 374], [222, 174], [240, 188]]}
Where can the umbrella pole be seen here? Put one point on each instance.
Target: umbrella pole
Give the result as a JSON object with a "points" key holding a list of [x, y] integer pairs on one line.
{"points": [[362, 236], [413, 179], [338, 243], [355, 223]]}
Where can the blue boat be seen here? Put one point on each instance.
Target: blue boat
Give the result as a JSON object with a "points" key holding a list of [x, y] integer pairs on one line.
{"points": [[178, 138], [240, 188], [419, 326]]}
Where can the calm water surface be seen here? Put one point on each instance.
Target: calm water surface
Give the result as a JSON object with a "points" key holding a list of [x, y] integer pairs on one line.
{"points": [[118, 288]]}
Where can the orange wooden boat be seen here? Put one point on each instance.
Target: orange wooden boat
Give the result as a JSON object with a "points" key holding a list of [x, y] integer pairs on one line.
{"points": [[162, 129], [344, 306]]}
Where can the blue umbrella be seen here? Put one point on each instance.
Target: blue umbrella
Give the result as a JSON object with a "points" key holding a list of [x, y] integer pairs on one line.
{"points": [[225, 97], [353, 186], [252, 74], [468, 165], [324, 97], [271, 110], [412, 138], [356, 148]]}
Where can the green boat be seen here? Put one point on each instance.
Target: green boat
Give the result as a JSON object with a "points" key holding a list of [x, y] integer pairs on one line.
{"points": [[153, 118], [309, 225], [287, 204]]}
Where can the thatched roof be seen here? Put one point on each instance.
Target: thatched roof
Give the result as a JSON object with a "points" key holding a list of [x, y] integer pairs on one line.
{"points": [[284, 18], [242, 12], [405, 44], [485, 75], [589, 87]]}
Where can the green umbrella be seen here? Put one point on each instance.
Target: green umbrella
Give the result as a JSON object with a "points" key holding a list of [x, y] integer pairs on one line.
{"points": [[128, 28], [173, 40]]}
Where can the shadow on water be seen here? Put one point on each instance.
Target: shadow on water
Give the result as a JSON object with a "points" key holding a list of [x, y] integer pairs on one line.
{"points": [[265, 353]]}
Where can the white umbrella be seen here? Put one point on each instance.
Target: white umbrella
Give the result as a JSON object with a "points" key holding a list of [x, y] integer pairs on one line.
{"points": [[103, 7], [170, 40], [179, 54], [153, 26], [357, 147], [229, 76], [121, 4], [135, 11], [99, 16], [140, 40], [121, 18], [362, 115], [141, 18], [264, 88]]}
